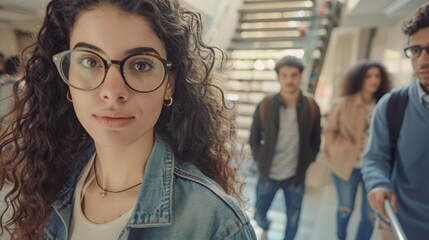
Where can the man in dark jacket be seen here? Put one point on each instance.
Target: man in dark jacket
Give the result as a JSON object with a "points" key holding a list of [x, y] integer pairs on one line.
{"points": [[285, 139]]}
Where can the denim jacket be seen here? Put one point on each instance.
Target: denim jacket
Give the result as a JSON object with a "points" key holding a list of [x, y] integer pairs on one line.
{"points": [[176, 201]]}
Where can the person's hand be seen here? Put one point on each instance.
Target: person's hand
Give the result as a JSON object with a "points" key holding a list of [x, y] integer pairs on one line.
{"points": [[376, 200]]}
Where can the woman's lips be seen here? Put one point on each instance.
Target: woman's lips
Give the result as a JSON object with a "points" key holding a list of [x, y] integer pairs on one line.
{"points": [[113, 120]]}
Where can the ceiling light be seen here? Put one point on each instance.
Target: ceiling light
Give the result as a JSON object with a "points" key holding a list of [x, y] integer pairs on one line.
{"points": [[394, 6]]}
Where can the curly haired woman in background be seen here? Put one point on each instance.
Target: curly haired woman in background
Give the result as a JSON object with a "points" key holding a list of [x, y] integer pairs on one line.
{"points": [[120, 132], [346, 134]]}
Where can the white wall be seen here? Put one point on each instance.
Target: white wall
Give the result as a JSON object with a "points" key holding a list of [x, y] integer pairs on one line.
{"points": [[8, 43], [220, 18], [224, 25], [348, 46], [388, 48], [343, 53]]}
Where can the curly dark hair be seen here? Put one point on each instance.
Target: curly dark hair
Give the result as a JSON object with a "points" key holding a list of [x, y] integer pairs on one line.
{"points": [[418, 21], [38, 147], [353, 81]]}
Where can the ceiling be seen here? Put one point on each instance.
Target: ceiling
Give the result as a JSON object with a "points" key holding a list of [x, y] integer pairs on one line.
{"points": [[378, 12], [361, 12], [12, 11]]}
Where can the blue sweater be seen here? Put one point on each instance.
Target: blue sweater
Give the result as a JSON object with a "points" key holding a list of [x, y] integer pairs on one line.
{"points": [[410, 176]]}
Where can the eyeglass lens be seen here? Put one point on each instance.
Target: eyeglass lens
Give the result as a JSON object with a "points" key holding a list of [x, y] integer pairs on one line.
{"points": [[86, 70], [415, 51]]}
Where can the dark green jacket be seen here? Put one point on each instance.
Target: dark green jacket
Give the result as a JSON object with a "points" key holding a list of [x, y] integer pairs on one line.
{"points": [[263, 141]]}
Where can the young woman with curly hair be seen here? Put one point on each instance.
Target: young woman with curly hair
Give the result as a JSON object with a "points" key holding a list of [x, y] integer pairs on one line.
{"points": [[346, 133], [120, 132]]}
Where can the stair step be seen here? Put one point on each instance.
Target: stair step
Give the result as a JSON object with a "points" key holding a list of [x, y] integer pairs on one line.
{"points": [[267, 39], [264, 29], [243, 64], [267, 45], [249, 45], [253, 86], [253, 80], [239, 91], [252, 59], [271, 12], [275, 33], [263, 6], [278, 13], [280, 19], [263, 53], [324, 22], [267, 1], [252, 74]]}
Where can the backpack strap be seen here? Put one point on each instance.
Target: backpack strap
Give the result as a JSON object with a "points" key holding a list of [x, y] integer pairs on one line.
{"points": [[313, 109], [395, 115], [263, 110]]}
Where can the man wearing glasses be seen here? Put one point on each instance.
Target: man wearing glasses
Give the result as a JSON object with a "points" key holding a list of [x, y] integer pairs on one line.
{"points": [[403, 180]]}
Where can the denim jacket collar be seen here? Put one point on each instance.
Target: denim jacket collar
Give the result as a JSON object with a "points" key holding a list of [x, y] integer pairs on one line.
{"points": [[154, 204]]}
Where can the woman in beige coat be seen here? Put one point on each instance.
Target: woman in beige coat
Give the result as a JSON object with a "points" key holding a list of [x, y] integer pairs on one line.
{"points": [[346, 133]]}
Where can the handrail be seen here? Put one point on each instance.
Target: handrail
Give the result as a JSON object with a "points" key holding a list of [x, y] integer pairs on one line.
{"points": [[394, 223], [312, 69], [309, 46]]}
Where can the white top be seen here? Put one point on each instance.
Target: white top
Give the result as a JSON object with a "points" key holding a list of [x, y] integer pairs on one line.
{"points": [[369, 108], [81, 228], [285, 158]]}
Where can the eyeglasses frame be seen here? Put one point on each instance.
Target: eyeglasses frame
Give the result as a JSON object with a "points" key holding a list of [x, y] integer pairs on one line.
{"points": [[59, 57], [420, 53]]}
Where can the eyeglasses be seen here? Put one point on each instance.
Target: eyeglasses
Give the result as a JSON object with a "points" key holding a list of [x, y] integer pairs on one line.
{"points": [[86, 70], [415, 51]]}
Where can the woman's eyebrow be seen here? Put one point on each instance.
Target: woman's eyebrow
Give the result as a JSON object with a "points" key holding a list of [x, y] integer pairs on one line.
{"points": [[128, 52], [89, 46], [142, 50]]}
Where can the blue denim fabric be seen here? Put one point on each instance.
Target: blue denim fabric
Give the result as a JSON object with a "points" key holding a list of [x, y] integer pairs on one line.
{"points": [[265, 192], [346, 192], [176, 201]]}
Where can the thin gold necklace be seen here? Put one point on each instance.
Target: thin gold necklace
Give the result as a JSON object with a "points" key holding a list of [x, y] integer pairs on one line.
{"points": [[104, 191]]}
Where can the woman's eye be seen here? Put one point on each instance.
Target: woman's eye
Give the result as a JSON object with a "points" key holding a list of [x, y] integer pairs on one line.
{"points": [[89, 62], [141, 66]]}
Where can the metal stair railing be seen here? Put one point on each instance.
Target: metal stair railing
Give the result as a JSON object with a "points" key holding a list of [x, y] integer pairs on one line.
{"points": [[314, 63], [310, 42]]}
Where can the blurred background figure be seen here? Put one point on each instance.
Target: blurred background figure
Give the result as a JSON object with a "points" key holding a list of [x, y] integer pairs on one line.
{"points": [[285, 140], [1, 63], [12, 72], [346, 134]]}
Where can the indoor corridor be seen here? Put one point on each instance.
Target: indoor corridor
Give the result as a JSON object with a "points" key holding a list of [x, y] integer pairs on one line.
{"points": [[318, 210]]}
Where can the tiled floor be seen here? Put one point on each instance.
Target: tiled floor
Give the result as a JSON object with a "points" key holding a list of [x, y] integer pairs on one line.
{"points": [[318, 211]]}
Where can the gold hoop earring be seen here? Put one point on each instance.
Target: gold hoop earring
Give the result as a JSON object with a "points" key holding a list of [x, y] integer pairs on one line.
{"points": [[68, 96], [168, 102]]}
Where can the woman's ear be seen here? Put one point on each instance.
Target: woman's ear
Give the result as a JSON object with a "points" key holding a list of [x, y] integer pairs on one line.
{"points": [[171, 81]]}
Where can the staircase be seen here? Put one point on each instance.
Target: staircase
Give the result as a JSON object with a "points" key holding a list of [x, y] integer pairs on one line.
{"points": [[267, 31]]}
